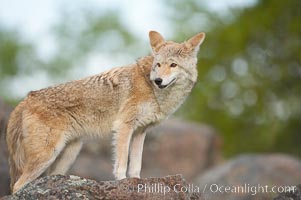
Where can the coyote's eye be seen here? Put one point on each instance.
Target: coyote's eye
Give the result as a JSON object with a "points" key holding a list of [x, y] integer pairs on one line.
{"points": [[158, 65], [173, 65]]}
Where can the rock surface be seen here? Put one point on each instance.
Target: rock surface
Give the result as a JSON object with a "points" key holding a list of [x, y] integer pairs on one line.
{"points": [[250, 171], [178, 147], [295, 195], [74, 187]]}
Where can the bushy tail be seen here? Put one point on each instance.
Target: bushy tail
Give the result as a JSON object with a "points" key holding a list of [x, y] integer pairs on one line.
{"points": [[15, 147]]}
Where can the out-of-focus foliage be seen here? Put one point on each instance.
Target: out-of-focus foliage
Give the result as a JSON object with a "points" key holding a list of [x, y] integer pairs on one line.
{"points": [[91, 32], [9, 50], [75, 38], [249, 65], [250, 76], [16, 57]]}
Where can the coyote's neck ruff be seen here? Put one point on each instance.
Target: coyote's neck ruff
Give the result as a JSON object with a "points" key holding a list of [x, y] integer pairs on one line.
{"points": [[45, 129]]}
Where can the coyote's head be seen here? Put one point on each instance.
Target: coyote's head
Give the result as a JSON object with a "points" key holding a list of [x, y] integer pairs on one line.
{"points": [[173, 60]]}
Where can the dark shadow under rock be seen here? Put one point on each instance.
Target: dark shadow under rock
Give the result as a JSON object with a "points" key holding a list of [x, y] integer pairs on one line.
{"points": [[74, 187], [294, 195]]}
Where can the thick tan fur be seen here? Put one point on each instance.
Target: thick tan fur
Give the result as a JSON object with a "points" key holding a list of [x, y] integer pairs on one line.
{"points": [[44, 131]]}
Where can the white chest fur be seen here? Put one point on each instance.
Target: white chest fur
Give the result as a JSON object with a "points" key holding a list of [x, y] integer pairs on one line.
{"points": [[166, 102]]}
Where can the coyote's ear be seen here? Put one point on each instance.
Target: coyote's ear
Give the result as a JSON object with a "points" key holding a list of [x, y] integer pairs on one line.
{"points": [[156, 40], [195, 42]]}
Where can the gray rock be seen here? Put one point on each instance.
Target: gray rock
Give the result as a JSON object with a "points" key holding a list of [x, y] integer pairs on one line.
{"points": [[177, 146], [294, 195], [74, 187], [250, 172]]}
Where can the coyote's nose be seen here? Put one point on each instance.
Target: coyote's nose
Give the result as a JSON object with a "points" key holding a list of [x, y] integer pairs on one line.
{"points": [[158, 81]]}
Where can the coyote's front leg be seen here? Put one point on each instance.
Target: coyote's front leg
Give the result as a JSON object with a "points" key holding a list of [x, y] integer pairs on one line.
{"points": [[136, 151], [122, 138]]}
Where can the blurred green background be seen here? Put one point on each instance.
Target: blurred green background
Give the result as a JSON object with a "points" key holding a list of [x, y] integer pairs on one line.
{"points": [[249, 85]]}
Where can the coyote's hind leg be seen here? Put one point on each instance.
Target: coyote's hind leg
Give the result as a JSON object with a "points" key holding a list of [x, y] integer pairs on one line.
{"points": [[39, 154], [66, 158]]}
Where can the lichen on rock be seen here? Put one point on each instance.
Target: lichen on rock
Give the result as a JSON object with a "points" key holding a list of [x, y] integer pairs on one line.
{"points": [[73, 187]]}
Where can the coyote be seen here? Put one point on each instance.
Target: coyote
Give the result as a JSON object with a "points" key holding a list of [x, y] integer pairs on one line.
{"points": [[44, 131]]}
